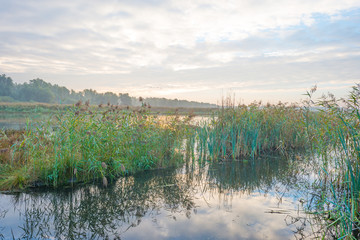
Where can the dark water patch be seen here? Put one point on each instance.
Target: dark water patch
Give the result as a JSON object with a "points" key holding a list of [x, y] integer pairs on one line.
{"points": [[232, 200]]}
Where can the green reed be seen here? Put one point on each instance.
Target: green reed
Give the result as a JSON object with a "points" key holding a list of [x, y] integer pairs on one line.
{"points": [[337, 143], [247, 131], [84, 144]]}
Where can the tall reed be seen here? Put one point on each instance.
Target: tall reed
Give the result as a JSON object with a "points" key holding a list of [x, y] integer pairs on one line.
{"points": [[247, 131], [337, 143], [85, 143]]}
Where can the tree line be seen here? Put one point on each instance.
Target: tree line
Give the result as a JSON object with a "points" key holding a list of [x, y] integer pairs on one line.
{"points": [[37, 90]]}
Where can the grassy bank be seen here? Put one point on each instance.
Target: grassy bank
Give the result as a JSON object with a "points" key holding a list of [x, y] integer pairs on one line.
{"points": [[32, 107], [26, 107], [84, 144]]}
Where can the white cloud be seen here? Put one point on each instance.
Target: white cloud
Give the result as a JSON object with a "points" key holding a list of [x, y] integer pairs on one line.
{"points": [[180, 41]]}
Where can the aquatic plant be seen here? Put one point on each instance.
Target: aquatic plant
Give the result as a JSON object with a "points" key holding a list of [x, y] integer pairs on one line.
{"points": [[242, 131], [336, 142], [75, 146]]}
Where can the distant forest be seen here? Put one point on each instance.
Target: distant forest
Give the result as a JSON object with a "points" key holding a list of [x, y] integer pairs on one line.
{"points": [[37, 90]]}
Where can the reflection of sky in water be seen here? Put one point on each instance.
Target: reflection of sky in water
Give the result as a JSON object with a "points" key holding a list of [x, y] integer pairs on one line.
{"points": [[243, 217], [167, 204]]}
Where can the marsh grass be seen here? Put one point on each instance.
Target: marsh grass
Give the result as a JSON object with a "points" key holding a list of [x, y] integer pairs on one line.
{"points": [[86, 143], [327, 128], [247, 131], [26, 107], [337, 142]]}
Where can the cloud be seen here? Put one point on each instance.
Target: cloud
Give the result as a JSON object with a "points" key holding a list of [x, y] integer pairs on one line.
{"points": [[197, 44]]}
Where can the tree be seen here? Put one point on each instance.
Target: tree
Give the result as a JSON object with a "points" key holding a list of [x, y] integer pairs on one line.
{"points": [[6, 85], [125, 99], [30, 92]]}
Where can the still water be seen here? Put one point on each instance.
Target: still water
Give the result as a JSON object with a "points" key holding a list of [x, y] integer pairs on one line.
{"points": [[255, 199], [19, 121]]}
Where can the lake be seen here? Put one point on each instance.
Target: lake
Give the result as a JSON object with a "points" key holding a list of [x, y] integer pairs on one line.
{"points": [[247, 199]]}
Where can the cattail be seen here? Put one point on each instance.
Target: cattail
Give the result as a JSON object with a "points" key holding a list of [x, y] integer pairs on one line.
{"points": [[108, 103], [103, 165], [78, 103], [105, 181], [100, 105]]}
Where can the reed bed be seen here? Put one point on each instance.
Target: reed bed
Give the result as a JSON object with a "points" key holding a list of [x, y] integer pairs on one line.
{"points": [[337, 144], [247, 131], [27, 107], [328, 129], [85, 144]]}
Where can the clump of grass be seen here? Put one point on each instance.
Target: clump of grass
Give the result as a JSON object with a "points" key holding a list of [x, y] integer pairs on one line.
{"points": [[243, 131], [75, 146]]}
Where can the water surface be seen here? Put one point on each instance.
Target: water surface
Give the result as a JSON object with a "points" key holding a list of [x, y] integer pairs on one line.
{"points": [[259, 199]]}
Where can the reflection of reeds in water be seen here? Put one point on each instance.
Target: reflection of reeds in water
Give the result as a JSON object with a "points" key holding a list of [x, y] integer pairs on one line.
{"points": [[96, 213], [93, 212]]}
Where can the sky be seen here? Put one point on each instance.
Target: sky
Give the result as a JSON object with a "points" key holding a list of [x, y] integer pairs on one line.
{"points": [[187, 49]]}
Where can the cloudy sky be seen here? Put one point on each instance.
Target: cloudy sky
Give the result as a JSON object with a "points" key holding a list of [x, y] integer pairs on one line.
{"points": [[188, 49]]}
